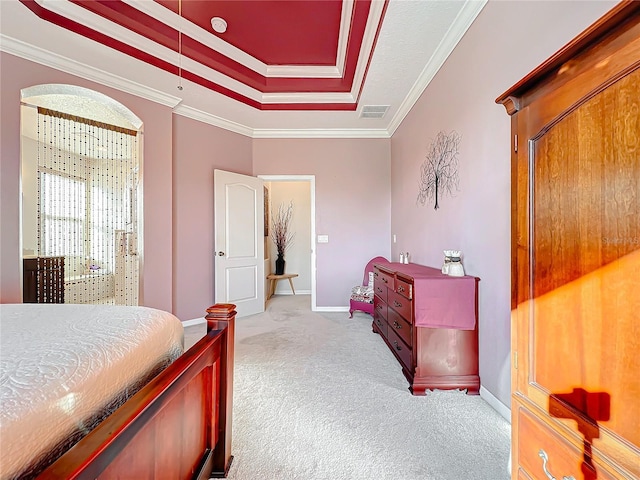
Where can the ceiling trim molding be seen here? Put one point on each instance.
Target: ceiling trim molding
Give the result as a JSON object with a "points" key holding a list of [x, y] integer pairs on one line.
{"points": [[322, 133], [58, 62], [214, 120], [218, 44], [307, 97], [207, 118], [168, 60], [461, 24], [374, 21], [64, 64]]}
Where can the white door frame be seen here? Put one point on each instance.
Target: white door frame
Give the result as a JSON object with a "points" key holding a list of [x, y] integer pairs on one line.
{"points": [[312, 187]]}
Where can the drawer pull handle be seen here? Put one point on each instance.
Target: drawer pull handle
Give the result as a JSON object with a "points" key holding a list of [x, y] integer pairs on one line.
{"points": [[545, 458], [400, 289], [396, 303], [384, 280], [397, 325], [398, 347]]}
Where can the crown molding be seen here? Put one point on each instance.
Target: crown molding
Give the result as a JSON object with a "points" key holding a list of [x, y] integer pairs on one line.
{"points": [[210, 119], [214, 120], [461, 24], [322, 133], [218, 44], [64, 64]]}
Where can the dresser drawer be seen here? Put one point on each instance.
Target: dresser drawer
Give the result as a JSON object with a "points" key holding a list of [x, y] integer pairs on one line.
{"points": [[399, 348], [401, 305], [400, 326], [380, 289], [537, 440], [380, 323], [383, 278], [404, 288], [380, 307]]}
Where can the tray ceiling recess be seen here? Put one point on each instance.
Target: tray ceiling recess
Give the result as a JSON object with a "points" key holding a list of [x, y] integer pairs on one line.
{"points": [[270, 55]]}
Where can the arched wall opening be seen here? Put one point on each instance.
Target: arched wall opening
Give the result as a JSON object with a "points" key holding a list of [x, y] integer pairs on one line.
{"points": [[81, 205]]}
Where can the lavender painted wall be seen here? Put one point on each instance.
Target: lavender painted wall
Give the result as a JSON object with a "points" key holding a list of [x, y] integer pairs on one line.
{"points": [[198, 149], [16, 74], [352, 203], [498, 50]]}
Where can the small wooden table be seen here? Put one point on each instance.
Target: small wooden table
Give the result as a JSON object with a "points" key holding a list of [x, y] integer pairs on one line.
{"points": [[274, 280]]}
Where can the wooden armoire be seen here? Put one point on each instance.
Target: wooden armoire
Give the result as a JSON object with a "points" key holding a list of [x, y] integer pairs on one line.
{"points": [[576, 257]]}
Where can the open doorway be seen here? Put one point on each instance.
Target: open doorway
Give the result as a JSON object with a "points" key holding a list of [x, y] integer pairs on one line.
{"points": [[301, 255]]}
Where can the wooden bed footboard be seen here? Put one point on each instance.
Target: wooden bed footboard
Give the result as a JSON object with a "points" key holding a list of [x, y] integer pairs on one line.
{"points": [[178, 426]]}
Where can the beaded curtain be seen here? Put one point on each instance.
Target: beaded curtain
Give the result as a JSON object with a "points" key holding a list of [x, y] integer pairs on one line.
{"points": [[87, 177]]}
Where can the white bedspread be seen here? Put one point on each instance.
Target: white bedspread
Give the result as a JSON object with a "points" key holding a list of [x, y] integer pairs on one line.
{"points": [[63, 368]]}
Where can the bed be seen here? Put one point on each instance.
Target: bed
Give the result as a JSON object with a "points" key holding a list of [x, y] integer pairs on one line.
{"points": [[95, 391]]}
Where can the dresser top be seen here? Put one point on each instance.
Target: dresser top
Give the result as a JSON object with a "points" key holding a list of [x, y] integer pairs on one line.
{"points": [[416, 271]]}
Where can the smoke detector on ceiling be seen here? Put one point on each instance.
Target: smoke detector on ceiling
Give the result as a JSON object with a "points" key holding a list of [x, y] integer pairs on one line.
{"points": [[373, 111], [218, 24]]}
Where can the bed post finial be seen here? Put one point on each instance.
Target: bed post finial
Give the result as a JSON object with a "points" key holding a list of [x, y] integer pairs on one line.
{"points": [[219, 312]]}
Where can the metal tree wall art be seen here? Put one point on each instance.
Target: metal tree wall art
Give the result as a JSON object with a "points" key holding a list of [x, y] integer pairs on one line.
{"points": [[439, 171]]}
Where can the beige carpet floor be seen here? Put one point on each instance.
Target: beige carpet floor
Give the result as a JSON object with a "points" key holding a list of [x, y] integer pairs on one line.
{"points": [[318, 396]]}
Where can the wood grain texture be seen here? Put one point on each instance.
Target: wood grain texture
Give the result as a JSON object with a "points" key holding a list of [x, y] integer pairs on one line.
{"points": [[576, 256]]}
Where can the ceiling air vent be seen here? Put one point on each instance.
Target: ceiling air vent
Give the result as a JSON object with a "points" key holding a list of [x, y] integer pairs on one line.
{"points": [[373, 111]]}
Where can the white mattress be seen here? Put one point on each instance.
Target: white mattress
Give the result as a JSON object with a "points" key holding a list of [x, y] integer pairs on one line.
{"points": [[63, 368]]}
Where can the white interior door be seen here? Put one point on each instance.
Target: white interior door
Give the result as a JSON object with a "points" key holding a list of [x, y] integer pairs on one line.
{"points": [[239, 241]]}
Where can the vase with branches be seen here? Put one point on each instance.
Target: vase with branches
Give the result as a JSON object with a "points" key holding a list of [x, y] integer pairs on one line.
{"points": [[281, 235]]}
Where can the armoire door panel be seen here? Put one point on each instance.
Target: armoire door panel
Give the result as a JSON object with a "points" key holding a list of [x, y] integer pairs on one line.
{"points": [[586, 195], [576, 254], [585, 228]]}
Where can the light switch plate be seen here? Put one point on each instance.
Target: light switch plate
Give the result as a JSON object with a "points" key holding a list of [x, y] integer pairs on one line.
{"points": [[323, 238]]}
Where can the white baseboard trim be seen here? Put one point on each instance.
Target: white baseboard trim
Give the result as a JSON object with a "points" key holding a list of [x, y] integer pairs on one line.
{"points": [[193, 321], [497, 405], [288, 292], [332, 309]]}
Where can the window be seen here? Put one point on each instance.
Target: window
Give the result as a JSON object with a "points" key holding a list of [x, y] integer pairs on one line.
{"points": [[63, 218]]}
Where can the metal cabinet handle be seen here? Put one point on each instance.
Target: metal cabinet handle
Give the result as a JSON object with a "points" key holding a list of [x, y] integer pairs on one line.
{"points": [[398, 347], [385, 280], [396, 303], [400, 289], [545, 458], [397, 325], [221, 254]]}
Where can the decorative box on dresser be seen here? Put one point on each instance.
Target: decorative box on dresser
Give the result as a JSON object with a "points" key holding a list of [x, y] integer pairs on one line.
{"points": [[576, 256], [429, 321]]}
